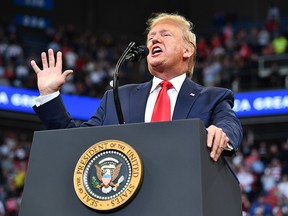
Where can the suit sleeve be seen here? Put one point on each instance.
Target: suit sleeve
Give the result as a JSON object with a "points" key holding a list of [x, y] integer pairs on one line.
{"points": [[54, 114], [223, 116]]}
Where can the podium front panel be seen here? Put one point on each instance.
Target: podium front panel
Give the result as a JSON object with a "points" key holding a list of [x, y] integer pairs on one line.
{"points": [[179, 176]]}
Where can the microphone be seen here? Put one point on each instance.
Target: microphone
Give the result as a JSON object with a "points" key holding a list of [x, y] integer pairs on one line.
{"points": [[131, 53], [137, 53]]}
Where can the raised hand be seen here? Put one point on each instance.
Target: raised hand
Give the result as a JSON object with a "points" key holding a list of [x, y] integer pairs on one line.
{"points": [[50, 78]]}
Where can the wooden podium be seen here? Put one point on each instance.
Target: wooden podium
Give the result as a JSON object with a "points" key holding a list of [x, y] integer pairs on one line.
{"points": [[179, 176]]}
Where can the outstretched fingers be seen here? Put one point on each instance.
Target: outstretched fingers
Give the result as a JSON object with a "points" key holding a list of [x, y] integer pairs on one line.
{"points": [[44, 60], [51, 58], [35, 67], [67, 73], [59, 60], [51, 63]]}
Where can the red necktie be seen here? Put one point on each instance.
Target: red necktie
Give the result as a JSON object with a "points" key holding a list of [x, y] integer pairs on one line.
{"points": [[162, 108]]}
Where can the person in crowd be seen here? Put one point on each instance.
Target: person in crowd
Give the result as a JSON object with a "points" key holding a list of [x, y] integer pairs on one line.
{"points": [[172, 54]]}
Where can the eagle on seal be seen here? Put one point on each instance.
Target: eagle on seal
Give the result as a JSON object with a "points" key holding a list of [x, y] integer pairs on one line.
{"points": [[107, 177]]}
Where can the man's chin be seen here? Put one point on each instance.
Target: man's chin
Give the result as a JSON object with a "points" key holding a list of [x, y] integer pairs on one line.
{"points": [[155, 65]]}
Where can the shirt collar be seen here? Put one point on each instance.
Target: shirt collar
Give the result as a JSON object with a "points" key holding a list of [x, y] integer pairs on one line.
{"points": [[176, 82]]}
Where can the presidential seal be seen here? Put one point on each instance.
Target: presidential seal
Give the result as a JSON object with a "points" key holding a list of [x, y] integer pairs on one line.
{"points": [[108, 175]]}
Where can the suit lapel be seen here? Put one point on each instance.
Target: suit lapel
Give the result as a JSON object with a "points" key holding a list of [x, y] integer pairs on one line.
{"points": [[138, 102], [186, 98]]}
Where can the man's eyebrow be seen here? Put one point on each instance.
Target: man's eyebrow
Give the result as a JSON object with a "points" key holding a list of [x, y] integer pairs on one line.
{"points": [[161, 31]]}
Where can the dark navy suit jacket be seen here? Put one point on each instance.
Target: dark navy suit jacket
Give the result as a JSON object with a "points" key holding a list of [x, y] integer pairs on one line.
{"points": [[213, 105]]}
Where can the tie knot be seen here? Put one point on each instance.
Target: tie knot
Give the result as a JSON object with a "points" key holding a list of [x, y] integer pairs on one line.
{"points": [[166, 84]]}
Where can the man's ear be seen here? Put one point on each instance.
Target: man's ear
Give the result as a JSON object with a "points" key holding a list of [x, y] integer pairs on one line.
{"points": [[188, 52]]}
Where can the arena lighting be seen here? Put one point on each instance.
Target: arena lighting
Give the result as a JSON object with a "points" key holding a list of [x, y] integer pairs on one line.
{"points": [[247, 104]]}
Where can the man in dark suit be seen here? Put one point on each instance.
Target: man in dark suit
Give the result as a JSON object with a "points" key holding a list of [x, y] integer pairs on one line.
{"points": [[172, 54]]}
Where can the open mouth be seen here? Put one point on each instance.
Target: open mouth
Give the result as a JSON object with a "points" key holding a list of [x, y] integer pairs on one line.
{"points": [[156, 50]]}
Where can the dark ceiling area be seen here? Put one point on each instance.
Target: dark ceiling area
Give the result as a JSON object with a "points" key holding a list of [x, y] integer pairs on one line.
{"points": [[129, 17]]}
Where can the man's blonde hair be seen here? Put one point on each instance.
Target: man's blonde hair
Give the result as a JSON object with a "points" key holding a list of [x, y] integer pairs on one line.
{"points": [[187, 28]]}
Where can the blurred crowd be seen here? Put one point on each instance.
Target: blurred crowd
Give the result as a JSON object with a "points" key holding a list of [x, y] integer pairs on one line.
{"points": [[228, 57], [14, 155], [262, 170]]}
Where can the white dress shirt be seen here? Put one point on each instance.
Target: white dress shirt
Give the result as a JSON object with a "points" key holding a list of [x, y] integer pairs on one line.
{"points": [[40, 100], [172, 92]]}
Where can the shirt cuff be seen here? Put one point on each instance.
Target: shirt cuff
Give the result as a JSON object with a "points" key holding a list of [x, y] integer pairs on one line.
{"points": [[229, 147], [40, 100]]}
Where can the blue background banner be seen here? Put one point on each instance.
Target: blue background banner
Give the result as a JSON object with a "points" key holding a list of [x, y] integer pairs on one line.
{"points": [[248, 104], [33, 21], [21, 100], [43, 4], [261, 103]]}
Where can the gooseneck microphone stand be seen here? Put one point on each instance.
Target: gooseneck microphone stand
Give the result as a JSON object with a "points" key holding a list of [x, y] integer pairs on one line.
{"points": [[116, 82]]}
